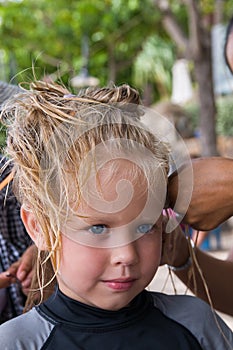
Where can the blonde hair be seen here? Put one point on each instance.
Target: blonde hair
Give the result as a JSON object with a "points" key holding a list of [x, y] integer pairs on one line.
{"points": [[50, 133]]}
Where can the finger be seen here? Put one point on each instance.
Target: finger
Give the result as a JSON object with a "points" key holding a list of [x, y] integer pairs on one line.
{"points": [[26, 263], [13, 268], [27, 282], [5, 280]]}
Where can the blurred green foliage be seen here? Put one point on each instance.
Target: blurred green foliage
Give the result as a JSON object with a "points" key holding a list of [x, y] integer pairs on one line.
{"points": [[224, 116], [154, 65], [224, 119], [48, 34], [127, 43], [124, 37]]}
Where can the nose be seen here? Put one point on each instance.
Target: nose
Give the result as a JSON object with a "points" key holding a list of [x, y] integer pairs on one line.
{"points": [[125, 255]]}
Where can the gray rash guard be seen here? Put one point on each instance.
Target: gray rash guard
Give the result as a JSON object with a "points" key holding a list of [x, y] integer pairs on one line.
{"points": [[151, 321]]}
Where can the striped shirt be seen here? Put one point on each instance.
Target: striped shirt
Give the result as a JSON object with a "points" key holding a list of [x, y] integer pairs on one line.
{"points": [[13, 242]]}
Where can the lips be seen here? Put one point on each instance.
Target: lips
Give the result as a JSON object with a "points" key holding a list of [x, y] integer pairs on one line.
{"points": [[121, 284]]}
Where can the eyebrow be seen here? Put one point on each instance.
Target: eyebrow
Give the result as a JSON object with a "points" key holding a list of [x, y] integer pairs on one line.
{"points": [[94, 219]]}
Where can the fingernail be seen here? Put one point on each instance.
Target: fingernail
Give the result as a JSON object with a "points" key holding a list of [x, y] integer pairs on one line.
{"points": [[8, 274], [21, 275]]}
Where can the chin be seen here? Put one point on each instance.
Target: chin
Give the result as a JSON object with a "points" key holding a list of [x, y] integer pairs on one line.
{"points": [[115, 305]]}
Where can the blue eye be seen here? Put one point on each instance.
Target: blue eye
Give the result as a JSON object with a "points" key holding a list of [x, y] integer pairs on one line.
{"points": [[98, 229], [144, 228]]}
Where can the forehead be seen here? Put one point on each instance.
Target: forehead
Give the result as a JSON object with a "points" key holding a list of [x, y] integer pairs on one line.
{"points": [[120, 188], [117, 170], [114, 186]]}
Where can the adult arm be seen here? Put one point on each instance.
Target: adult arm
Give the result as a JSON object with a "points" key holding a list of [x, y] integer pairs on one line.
{"points": [[212, 196], [217, 274]]}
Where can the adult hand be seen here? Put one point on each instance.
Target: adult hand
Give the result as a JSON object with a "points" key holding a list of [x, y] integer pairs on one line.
{"points": [[25, 268], [212, 197], [21, 270]]}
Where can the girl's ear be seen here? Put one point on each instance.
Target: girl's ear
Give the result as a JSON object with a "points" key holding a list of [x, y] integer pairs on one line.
{"points": [[32, 227]]}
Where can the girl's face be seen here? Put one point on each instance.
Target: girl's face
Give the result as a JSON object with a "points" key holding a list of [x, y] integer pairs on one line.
{"points": [[110, 275]]}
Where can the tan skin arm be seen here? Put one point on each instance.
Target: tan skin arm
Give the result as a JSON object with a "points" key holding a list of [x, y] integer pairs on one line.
{"points": [[217, 273], [211, 204], [212, 197]]}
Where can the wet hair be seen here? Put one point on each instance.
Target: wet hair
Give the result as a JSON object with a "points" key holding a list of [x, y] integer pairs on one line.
{"points": [[55, 138]]}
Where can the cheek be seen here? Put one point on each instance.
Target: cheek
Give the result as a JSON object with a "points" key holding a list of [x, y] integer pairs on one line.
{"points": [[151, 250], [78, 259]]}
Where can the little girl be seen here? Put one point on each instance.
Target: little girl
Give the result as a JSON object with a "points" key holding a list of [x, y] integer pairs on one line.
{"points": [[92, 181]]}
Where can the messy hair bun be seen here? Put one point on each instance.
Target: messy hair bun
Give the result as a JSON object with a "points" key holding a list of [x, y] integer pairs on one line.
{"points": [[124, 94], [43, 122]]}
